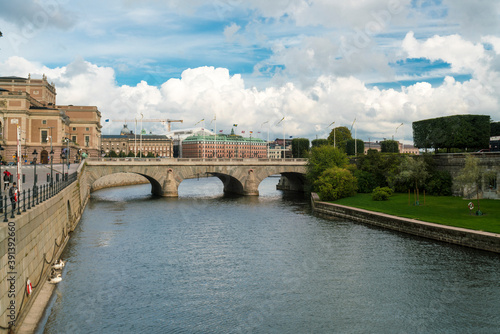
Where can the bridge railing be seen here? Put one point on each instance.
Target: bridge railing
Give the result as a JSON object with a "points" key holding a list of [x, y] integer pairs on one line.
{"points": [[198, 159], [33, 196]]}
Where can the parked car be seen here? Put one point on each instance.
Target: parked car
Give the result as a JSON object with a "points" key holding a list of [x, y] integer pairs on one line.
{"points": [[12, 163]]}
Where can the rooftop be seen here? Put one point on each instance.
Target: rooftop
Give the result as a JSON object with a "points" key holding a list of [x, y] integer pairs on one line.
{"points": [[224, 137]]}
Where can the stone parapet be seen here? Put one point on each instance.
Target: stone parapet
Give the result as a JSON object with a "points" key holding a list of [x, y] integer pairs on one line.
{"points": [[455, 235]]}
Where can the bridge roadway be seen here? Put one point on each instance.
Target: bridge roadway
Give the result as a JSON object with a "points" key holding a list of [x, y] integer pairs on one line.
{"points": [[240, 176]]}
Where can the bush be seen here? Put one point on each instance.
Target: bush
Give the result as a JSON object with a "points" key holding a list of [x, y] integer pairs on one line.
{"points": [[366, 181], [335, 183], [439, 184], [381, 194]]}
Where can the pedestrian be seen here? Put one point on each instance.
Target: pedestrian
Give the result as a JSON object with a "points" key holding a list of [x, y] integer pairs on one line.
{"points": [[6, 180], [13, 195]]}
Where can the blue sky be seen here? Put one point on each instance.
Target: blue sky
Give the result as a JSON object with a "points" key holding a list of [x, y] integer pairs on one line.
{"points": [[385, 62]]}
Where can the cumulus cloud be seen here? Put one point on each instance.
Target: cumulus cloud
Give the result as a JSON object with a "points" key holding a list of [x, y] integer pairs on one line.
{"points": [[207, 91]]}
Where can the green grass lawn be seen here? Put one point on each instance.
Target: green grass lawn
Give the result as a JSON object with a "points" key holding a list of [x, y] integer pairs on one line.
{"points": [[452, 211]]}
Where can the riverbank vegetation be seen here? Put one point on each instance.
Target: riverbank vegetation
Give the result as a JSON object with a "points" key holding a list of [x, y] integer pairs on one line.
{"points": [[445, 210]]}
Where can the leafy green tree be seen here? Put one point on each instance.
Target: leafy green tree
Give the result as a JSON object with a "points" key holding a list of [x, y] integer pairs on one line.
{"points": [[342, 135], [122, 154], [321, 159], [495, 129], [469, 178], [150, 155], [300, 147], [414, 172], [319, 142], [130, 154], [335, 183], [350, 147], [380, 169], [389, 146], [113, 154]]}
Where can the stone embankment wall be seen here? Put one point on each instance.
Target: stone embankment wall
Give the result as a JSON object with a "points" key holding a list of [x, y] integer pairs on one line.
{"points": [[29, 244], [470, 238], [32, 241], [118, 180]]}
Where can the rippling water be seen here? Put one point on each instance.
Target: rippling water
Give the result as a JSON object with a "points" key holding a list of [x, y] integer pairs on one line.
{"points": [[207, 263]]}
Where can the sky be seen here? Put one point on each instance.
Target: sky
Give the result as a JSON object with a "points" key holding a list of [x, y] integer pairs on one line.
{"points": [[369, 65]]}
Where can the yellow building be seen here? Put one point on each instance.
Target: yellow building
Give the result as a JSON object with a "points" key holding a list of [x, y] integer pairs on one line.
{"points": [[30, 105]]}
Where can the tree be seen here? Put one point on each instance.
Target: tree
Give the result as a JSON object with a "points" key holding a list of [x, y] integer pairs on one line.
{"points": [[342, 135], [130, 154], [321, 159], [389, 146], [350, 147], [335, 183], [469, 178], [113, 154], [300, 147], [413, 171], [463, 132], [495, 129], [319, 142]]}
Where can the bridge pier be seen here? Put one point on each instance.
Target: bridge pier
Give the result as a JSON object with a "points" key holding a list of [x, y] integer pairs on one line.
{"points": [[170, 186]]}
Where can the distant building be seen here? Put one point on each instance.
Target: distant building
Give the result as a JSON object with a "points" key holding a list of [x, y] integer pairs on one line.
{"points": [[495, 144], [129, 144], [30, 104], [179, 135], [276, 149], [223, 146], [403, 148]]}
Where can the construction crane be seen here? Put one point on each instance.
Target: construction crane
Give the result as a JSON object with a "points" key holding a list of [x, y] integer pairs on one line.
{"points": [[163, 121]]}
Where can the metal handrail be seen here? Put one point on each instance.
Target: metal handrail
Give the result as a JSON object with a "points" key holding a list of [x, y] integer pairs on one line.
{"points": [[33, 197]]}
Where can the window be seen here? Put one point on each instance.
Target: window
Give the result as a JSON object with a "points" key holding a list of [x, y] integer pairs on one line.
{"points": [[73, 139], [87, 140], [74, 129], [44, 136], [44, 122], [87, 129]]}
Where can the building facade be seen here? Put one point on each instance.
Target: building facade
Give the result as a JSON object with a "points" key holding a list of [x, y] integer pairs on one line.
{"points": [[28, 107], [129, 144], [403, 148], [223, 146]]}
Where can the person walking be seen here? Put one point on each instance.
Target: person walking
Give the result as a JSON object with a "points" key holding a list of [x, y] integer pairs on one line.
{"points": [[13, 195], [6, 180]]}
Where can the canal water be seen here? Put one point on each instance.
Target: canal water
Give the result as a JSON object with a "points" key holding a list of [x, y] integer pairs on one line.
{"points": [[209, 263]]}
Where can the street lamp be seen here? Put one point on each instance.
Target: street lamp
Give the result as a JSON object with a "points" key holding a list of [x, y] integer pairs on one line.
{"points": [[35, 153], [1, 185], [332, 123], [51, 169]]}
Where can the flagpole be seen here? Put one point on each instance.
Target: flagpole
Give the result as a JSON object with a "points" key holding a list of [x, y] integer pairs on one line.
{"points": [[215, 119], [267, 144]]}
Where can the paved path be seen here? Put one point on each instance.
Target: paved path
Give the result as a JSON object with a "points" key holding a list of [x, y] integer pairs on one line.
{"points": [[41, 171]]}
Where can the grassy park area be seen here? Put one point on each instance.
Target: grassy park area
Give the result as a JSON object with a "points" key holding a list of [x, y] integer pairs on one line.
{"points": [[446, 210]]}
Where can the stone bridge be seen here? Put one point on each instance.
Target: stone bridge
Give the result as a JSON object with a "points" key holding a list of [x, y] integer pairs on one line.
{"points": [[240, 176]]}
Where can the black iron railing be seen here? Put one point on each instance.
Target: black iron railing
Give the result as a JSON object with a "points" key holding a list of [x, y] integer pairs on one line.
{"points": [[32, 197]]}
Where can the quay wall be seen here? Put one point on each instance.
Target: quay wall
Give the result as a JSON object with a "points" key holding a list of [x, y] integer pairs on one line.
{"points": [[37, 238], [29, 244], [455, 235]]}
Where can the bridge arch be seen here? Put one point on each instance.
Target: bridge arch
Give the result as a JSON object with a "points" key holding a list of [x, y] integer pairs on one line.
{"points": [[239, 176]]}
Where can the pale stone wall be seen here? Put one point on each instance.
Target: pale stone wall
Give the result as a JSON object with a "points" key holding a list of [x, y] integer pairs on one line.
{"points": [[118, 180], [460, 236], [39, 237]]}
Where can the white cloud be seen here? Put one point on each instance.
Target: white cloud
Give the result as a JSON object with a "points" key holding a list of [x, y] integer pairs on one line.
{"points": [[205, 91], [463, 55]]}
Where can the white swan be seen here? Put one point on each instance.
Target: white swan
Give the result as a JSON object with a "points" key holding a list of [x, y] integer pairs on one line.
{"points": [[58, 265], [56, 279]]}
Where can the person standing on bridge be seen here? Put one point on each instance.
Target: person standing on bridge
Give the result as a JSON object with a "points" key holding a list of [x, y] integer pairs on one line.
{"points": [[6, 179], [13, 195]]}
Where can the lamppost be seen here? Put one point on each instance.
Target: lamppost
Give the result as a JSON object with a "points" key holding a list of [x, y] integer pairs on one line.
{"points": [[1, 185], [51, 168], [35, 153], [332, 123]]}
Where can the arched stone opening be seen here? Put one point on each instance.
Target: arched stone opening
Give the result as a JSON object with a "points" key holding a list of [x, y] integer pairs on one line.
{"points": [[292, 182]]}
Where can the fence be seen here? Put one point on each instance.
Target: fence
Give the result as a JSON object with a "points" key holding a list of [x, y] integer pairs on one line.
{"points": [[32, 197]]}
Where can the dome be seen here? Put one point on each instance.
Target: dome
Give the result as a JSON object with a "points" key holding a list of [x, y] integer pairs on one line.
{"points": [[125, 130]]}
